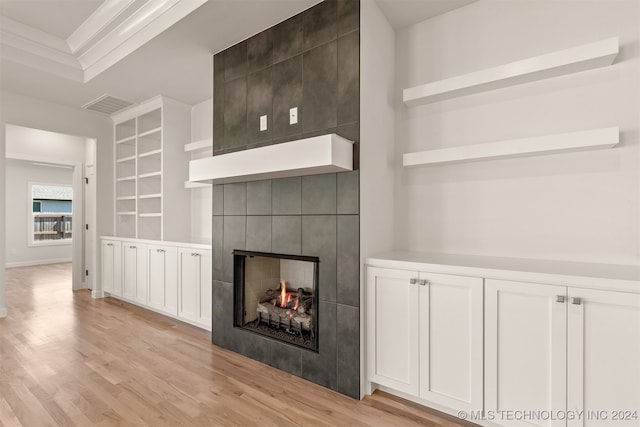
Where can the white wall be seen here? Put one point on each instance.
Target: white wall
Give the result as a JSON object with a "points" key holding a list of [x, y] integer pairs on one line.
{"points": [[576, 206], [33, 113], [201, 198], [18, 176], [45, 146], [377, 165]]}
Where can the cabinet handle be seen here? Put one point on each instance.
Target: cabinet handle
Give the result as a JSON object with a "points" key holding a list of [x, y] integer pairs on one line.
{"points": [[132, 247], [160, 250], [413, 281], [576, 301], [424, 282], [195, 254], [109, 244], [559, 298]]}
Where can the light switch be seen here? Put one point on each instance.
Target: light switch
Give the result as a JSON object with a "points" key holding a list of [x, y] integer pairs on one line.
{"points": [[293, 115], [263, 123]]}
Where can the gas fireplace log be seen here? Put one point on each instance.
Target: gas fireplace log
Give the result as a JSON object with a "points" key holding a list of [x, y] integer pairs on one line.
{"points": [[270, 295]]}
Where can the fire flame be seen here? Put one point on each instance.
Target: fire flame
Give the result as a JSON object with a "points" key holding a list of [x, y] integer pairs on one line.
{"points": [[286, 297]]}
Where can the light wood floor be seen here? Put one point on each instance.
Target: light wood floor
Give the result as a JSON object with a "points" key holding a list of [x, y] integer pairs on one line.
{"points": [[67, 359]]}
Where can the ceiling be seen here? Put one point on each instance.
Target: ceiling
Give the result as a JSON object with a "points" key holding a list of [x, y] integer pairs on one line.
{"points": [[177, 62]]}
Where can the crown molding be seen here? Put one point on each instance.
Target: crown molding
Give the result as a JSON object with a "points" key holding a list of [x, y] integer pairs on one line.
{"points": [[116, 29], [107, 13], [143, 25]]}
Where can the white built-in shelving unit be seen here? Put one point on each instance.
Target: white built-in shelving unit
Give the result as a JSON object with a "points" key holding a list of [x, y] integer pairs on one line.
{"points": [[150, 168], [581, 58], [199, 150]]}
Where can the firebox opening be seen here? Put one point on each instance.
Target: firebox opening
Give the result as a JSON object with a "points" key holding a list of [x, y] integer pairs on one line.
{"points": [[277, 295]]}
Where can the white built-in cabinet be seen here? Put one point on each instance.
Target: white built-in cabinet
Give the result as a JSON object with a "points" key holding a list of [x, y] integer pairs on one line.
{"points": [[563, 350], [112, 266], [194, 296], [514, 345], [425, 335], [150, 168], [163, 278], [168, 277]]}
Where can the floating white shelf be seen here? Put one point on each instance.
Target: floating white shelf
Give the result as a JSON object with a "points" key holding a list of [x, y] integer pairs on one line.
{"points": [[549, 144], [573, 60], [150, 215], [203, 144], [126, 178], [150, 196], [309, 156], [191, 185], [125, 213], [125, 159], [126, 198]]}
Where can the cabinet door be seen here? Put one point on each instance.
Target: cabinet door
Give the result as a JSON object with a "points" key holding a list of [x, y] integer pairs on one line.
{"points": [[163, 278], [451, 337], [129, 270], [134, 266], [525, 350], [392, 329], [112, 267], [189, 272], [204, 288], [604, 357]]}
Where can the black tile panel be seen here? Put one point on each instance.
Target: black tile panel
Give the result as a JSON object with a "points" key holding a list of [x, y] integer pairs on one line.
{"points": [[348, 16], [286, 234], [319, 194], [259, 103], [259, 197], [286, 358], [259, 233], [320, 24], [288, 38], [235, 198], [320, 87], [217, 248], [348, 260], [319, 239], [286, 196], [234, 238], [235, 113], [321, 367], [287, 84], [349, 78], [222, 312], [348, 197], [218, 102], [260, 51], [348, 352], [235, 61], [218, 199]]}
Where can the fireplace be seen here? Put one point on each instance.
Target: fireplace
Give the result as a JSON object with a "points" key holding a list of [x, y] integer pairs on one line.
{"points": [[276, 295]]}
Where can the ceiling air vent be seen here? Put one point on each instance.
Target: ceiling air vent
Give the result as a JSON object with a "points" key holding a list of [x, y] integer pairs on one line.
{"points": [[107, 104]]}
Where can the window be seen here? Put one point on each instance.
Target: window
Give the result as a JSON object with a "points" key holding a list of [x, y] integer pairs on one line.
{"points": [[51, 214]]}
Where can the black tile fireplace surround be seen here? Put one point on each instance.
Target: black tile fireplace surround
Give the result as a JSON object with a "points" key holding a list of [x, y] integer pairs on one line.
{"points": [[310, 61]]}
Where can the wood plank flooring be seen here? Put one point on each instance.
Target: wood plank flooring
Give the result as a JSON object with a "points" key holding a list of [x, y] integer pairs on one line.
{"points": [[69, 360]]}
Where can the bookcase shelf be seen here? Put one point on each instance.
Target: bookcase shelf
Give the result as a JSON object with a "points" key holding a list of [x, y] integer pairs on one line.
{"points": [[548, 144], [150, 164], [581, 58]]}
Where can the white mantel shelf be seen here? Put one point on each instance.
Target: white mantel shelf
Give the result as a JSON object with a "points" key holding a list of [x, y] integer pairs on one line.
{"points": [[573, 60], [549, 144], [310, 156]]}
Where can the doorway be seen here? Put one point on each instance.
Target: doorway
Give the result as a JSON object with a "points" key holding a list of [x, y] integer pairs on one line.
{"points": [[43, 157]]}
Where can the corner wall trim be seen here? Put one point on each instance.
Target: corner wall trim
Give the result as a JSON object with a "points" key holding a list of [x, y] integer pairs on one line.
{"points": [[97, 294], [3, 312]]}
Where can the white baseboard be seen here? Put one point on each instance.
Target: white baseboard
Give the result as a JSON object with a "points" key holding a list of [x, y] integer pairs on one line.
{"points": [[97, 294], [38, 262], [3, 311]]}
